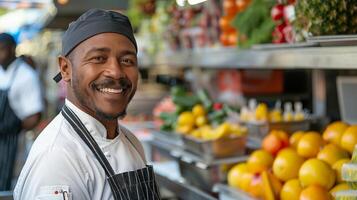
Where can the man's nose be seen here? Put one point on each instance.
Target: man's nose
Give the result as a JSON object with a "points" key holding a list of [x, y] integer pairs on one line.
{"points": [[114, 69]]}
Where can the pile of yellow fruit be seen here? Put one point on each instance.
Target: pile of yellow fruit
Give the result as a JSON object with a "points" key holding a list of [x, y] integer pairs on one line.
{"points": [[196, 124], [309, 168]]}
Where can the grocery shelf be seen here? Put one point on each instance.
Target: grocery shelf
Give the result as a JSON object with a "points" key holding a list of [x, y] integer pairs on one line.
{"points": [[297, 56]]}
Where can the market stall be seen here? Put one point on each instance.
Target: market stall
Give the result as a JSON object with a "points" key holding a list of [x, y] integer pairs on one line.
{"points": [[287, 90]]}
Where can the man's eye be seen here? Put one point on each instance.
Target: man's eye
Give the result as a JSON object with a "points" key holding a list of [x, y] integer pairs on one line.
{"points": [[127, 61], [99, 58]]}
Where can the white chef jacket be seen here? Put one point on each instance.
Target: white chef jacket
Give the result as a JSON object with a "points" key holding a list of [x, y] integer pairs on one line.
{"points": [[25, 93], [59, 161]]}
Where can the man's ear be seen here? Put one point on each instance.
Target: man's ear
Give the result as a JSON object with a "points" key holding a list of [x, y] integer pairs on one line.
{"points": [[65, 68]]}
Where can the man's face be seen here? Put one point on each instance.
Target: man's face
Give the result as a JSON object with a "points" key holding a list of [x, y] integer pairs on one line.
{"points": [[104, 74], [5, 53]]}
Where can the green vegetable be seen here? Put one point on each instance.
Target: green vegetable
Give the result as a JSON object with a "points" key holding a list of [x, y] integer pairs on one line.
{"points": [[205, 99], [255, 23]]}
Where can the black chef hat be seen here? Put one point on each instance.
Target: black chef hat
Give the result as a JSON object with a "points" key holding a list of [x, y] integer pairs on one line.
{"points": [[91, 23], [7, 39]]}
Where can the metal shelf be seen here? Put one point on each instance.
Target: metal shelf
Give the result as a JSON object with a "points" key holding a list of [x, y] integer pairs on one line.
{"points": [[298, 56]]}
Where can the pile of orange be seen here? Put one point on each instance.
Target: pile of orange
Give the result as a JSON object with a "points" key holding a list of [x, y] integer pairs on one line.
{"points": [[229, 35], [306, 165]]}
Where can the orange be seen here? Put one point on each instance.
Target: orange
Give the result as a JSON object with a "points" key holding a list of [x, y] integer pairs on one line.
{"points": [[295, 138], [337, 167], [259, 161], [241, 5], [275, 141], [332, 153], [316, 172], [291, 190], [339, 187], [334, 131], [256, 186], [315, 192], [235, 174], [198, 110], [229, 7], [287, 164], [245, 180], [349, 138], [310, 144]]}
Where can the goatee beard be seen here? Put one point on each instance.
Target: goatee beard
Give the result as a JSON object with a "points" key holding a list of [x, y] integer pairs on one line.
{"points": [[108, 117]]}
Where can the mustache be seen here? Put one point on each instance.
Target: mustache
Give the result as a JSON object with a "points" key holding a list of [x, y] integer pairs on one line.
{"points": [[121, 83]]}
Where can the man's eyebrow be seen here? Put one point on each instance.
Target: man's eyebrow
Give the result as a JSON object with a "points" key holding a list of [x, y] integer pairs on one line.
{"points": [[96, 49], [128, 52]]}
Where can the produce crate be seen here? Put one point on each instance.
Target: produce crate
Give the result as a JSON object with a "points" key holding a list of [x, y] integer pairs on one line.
{"points": [[202, 173], [257, 130], [212, 149], [226, 192]]}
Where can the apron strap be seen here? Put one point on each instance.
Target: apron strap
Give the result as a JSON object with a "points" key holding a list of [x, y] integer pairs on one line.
{"points": [[82, 131]]}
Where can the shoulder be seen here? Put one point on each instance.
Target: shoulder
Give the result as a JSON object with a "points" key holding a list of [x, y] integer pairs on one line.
{"points": [[26, 72], [54, 160], [134, 140]]}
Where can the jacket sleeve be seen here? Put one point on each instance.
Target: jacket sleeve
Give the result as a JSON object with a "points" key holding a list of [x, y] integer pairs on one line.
{"points": [[54, 175]]}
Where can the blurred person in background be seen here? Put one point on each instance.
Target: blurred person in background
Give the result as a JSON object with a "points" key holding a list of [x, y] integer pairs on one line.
{"points": [[20, 105]]}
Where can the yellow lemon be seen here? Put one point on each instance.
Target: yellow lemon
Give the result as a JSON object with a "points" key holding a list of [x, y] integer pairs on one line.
{"points": [[310, 144], [184, 129], [291, 190], [349, 138], [315, 171], [186, 119], [315, 192], [287, 164], [334, 131], [198, 110], [337, 167], [339, 187], [235, 173], [259, 161], [295, 138], [332, 153], [201, 121]]}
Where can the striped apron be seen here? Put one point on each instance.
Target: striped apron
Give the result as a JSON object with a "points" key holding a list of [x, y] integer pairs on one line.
{"points": [[10, 127], [133, 185]]}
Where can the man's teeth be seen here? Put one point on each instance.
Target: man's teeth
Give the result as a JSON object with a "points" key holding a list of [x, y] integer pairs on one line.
{"points": [[110, 90]]}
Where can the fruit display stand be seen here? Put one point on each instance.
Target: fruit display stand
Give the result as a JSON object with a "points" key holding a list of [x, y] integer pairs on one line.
{"points": [[195, 169], [226, 192]]}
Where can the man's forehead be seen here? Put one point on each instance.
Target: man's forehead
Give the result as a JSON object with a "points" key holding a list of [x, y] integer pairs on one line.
{"points": [[106, 42]]}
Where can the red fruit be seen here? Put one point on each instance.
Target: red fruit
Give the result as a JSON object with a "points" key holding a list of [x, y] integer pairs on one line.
{"points": [[217, 106], [288, 33], [277, 12], [275, 141], [278, 34]]}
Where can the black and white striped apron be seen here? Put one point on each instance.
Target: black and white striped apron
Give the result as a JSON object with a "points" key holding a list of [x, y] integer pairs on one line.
{"points": [[139, 184], [10, 127]]}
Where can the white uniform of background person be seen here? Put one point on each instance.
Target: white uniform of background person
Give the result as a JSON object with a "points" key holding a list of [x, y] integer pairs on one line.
{"points": [[25, 93], [60, 164], [25, 100]]}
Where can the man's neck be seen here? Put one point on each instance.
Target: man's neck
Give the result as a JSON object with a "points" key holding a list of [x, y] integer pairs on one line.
{"points": [[110, 125]]}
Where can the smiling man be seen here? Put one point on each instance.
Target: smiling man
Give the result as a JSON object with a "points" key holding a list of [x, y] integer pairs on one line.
{"points": [[84, 153]]}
